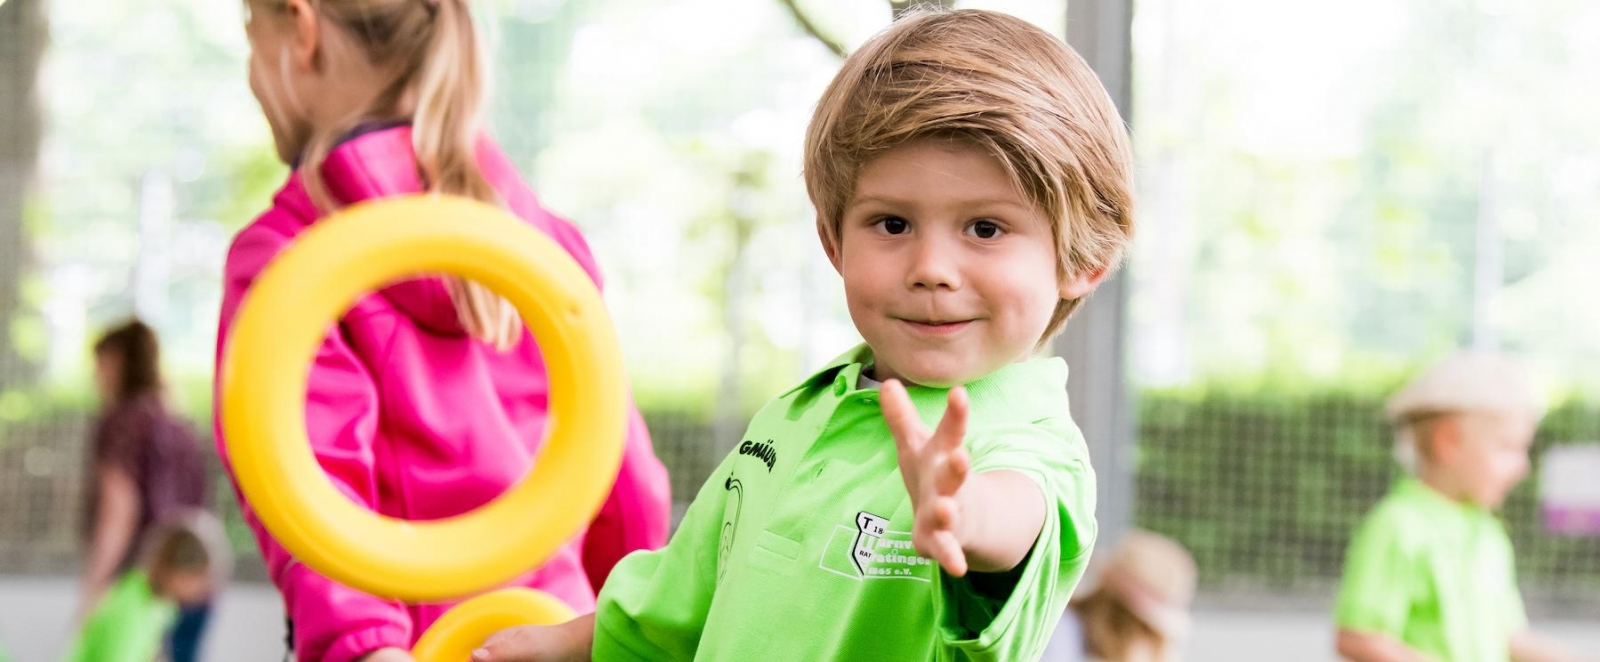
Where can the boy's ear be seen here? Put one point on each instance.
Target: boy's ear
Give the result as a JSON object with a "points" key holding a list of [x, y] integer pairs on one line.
{"points": [[1446, 436], [829, 246], [1078, 286]]}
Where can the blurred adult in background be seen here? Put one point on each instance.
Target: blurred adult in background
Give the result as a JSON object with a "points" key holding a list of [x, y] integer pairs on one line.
{"points": [[145, 468]]}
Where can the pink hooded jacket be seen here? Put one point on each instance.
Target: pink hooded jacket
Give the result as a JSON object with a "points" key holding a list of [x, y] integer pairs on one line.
{"points": [[415, 420]]}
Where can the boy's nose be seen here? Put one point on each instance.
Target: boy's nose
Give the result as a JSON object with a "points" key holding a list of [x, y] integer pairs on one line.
{"points": [[933, 266]]}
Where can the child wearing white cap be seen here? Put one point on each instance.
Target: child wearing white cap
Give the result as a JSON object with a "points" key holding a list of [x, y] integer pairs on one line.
{"points": [[1429, 575]]}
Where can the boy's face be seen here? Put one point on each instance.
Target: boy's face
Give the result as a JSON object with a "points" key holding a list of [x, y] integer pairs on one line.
{"points": [[949, 271], [1487, 452], [186, 587]]}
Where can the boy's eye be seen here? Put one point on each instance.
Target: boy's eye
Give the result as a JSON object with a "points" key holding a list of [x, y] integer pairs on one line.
{"points": [[895, 225], [985, 229]]}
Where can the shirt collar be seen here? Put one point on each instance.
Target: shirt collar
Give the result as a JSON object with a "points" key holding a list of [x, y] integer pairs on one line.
{"points": [[1035, 388], [1415, 490]]}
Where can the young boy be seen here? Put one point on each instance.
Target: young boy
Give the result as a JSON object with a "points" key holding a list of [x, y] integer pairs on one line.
{"points": [[973, 182], [1429, 575], [131, 621]]}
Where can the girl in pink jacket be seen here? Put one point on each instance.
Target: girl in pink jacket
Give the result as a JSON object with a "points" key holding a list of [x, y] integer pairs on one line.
{"points": [[428, 398]]}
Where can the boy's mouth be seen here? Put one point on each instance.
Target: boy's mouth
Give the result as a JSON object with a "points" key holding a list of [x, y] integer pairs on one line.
{"points": [[935, 327]]}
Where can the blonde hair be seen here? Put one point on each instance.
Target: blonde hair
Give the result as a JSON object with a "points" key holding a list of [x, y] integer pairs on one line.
{"points": [[1111, 632], [1006, 86], [431, 51], [1140, 604]]}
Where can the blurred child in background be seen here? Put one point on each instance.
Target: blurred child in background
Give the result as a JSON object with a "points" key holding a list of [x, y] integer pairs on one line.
{"points": [[1136, 611], [1429, 575], [180, 565]]}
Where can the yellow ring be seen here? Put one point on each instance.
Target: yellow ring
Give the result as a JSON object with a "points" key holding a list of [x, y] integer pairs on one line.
{"points": [[462, 630], [283, 321]]}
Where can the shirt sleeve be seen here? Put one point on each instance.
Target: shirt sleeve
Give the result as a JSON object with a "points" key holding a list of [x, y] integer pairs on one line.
{"points": [[1374, 595], [332, 622], [119, 443], [654, 605], [1011, 616]]}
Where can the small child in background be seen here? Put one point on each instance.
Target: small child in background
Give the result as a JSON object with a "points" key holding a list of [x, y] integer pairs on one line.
{"points": [[1137, 610], [1429, 575], [178, 568]]}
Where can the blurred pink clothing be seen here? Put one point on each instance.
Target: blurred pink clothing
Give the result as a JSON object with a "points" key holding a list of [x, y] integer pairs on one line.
{"points": [[414, 419]]}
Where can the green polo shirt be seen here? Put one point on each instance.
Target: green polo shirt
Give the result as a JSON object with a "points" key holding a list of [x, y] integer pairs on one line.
{"points": [[799, 545], [129, 624], [1436, 574]]}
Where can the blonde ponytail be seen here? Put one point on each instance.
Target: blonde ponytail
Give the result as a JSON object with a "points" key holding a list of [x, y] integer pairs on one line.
{"points": [[433, 49], [450, 92]]}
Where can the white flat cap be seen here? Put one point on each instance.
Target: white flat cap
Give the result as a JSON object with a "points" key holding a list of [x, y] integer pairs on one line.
{"points": [[1469, 381]]}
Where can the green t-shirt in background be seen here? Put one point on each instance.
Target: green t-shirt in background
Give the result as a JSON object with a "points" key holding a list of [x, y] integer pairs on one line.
{"points": [[1435, 574], [798, 548], [129, 624]]}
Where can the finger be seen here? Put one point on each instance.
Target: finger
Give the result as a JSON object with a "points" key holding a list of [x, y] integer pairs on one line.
{"points": [[942, 514], [901, 416], [499, 646], [947, 551], [953, 426], [488, 651], [951, 474], [498, 653]]}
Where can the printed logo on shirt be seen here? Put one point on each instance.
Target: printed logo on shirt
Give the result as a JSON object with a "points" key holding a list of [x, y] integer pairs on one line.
{"points": [[731, 510], [869, 550], [764, 451]]}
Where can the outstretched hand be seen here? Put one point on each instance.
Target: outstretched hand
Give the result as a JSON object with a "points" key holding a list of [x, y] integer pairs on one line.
{"points": [[935, 467], [566, 642]]}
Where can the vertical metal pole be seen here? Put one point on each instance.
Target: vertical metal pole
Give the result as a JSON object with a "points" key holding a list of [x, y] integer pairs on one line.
{"points": [[151, 268], [1101, 31], [1488, 261], [23, 35]]}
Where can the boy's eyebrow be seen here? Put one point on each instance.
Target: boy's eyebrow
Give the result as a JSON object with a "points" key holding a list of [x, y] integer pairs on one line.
{"points": [[865, 199], [965, 204]]}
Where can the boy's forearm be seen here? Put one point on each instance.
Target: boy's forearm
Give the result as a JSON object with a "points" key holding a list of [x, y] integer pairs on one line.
{"points": [[580, 642], [1002, 513], [572, 641], [1374, 647], [1529, 647]]}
